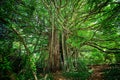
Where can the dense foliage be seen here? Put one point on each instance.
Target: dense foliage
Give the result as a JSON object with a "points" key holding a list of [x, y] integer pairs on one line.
{"points": [[48, 36]]}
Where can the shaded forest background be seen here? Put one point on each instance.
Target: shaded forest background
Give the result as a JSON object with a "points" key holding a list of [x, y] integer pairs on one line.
{"points": [[39, 37]]}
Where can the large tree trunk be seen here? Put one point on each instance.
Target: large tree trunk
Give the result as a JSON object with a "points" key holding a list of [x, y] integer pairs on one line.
{"points": [[54, 53]]}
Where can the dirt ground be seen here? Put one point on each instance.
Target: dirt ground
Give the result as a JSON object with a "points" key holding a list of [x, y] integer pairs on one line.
{"points": [[97, 72], [96, 75]]}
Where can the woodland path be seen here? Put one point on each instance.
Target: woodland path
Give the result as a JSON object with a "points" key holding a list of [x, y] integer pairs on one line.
{"points": [[96, 75], [98, 72]]}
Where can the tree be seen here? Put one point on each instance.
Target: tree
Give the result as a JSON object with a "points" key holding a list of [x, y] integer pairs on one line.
{"points": [[60, 32]]}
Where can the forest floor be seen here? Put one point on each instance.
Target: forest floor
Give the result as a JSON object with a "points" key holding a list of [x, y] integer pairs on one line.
{"points": [[96, 75], [59, 76], [98, 72]]}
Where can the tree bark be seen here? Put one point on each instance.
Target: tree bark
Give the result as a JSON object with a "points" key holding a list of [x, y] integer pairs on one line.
{"points": [[54, 53], [54, 48]]}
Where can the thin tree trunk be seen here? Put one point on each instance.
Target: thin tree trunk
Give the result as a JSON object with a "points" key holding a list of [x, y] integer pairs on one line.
{"points": [[67, 53], [64, 51]]}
